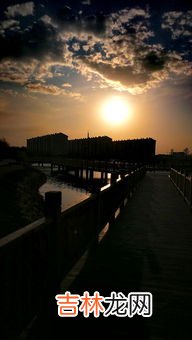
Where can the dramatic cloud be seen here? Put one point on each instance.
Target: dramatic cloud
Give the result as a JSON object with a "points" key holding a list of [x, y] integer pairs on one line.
{"points": [[16, 72], [145, 71], [24, 9], [179, 23], [37, 41], [117, 50], [12, 25], [154, 62], [52, 90], [59, 60], [8, 23]]}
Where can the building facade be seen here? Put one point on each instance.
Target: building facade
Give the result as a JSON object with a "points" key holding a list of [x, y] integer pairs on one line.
{"points": [[53, 144], [135, 150], [91, 148], [102, 147]]}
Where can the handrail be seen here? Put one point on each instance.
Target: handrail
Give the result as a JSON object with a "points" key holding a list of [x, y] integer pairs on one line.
{"points": [[183, 183], [34, 259]]}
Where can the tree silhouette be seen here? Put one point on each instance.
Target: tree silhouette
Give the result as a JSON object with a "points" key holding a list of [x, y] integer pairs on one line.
{"points": [[4, 148], [186, 151]]}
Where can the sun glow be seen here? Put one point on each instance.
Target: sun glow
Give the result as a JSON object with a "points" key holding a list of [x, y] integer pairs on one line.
{"points": [[116, 111]]}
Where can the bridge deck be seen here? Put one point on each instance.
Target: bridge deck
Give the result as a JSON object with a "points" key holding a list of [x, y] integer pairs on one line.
{"points": [[149, 248]]}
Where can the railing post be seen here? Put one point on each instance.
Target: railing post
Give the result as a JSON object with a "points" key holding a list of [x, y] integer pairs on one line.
{"points": [[112, 220], [114, 177], [96, 230], [122, 206], [52, 215], [178, 179], [184, 185], [87, 173], [81, 173], [190, 199], [122, 174], [171, 173], [106, 176], [52, 205], [91, 174]]}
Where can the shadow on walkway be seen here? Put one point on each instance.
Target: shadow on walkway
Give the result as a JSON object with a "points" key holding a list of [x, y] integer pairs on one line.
{"points": [[148, 249]]}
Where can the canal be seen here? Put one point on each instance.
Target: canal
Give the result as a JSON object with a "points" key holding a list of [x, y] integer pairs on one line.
{"points": [[71, 195]]}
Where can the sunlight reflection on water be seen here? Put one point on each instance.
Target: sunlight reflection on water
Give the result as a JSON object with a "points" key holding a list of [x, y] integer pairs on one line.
{"points": [[70, 195]]}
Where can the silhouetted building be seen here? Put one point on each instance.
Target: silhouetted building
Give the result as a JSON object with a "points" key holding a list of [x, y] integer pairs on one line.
{"points": [[92, 148], [179, 155], [102, 147], [176, 160], [134, 150], [54, 144]]}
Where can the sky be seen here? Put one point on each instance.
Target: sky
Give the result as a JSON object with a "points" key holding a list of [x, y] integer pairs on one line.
{"points": [[62, 61]]}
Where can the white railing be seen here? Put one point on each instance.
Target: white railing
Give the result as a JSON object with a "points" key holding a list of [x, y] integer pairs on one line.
{"points": [[183, 184]]}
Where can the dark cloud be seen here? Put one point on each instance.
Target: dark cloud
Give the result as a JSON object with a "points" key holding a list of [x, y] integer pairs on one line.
{"points": [[65, 14], [121, 46], [35, 42], [124, 74], [86, 2], [95, 23], [154, 62], [27, 8], [79, 22]]}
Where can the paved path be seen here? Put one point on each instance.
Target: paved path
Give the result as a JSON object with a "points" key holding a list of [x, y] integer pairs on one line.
{"points": [[149, 248]]}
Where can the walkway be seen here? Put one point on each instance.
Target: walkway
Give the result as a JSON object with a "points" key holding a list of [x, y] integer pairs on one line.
{"points": [[148, 249]]}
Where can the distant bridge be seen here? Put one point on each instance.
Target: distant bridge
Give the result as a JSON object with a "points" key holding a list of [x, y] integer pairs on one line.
{"points": [[78, 165]]}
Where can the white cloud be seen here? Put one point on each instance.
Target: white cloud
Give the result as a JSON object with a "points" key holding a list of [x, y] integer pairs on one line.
{"points": [[125, 15], [52, 90], [122, 59], [66, 85], [76, 47], [47, 20], [8, 23], [179, 23], [24, 9], [16, 72], [86, 2]]}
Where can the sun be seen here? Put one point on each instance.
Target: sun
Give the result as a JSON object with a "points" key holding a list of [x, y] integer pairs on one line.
{"points": [[116, 110]]}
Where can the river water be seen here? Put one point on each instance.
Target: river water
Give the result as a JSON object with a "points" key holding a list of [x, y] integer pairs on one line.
{"points": [[70, 195]]}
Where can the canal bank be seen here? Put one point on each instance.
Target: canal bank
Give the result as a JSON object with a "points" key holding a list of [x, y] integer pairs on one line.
{"points": [[20, 201], [23, 190], [22, 195]]}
